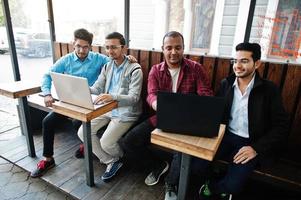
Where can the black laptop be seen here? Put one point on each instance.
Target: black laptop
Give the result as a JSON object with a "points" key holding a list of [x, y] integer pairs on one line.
{"points": [[189, 114]]}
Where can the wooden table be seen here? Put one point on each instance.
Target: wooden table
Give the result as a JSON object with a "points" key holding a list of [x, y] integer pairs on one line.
{"points": [[84, 115], [200, 147], [20, 90]]}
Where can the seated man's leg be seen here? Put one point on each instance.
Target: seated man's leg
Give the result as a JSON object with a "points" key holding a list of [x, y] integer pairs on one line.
{"points": [[135, 143], [111, 151], [172, 178], [50, 122], [198, 165], [136, 147], [236, 174], [96, 124], [235, 178], [48, 127], [76, 124]]}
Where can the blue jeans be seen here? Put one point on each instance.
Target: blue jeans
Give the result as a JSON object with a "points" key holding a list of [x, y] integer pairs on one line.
{"points": [[236, 174]]}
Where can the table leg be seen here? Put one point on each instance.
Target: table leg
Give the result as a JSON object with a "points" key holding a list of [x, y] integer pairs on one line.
{"points": [[184, 176], [88, 153], [25, 125]]}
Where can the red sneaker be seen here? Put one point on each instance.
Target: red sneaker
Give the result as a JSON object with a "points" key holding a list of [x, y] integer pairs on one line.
{"points": [[80, 153], [42, 167]]}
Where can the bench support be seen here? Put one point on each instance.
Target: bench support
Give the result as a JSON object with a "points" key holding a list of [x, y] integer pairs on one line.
{"points": [[25, 125]]}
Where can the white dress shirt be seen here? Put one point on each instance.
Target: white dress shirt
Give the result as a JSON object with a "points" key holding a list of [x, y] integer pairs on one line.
{"points": [[239, 121]]}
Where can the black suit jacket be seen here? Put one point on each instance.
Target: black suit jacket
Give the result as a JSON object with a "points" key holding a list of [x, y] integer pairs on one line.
{"points": [[268, 121]]}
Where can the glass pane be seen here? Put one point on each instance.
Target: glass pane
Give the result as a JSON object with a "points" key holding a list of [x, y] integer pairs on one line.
{"points": [[30, 23], [99, 17], [150, 20], [202, 23], [277, 27], [34, 51]]}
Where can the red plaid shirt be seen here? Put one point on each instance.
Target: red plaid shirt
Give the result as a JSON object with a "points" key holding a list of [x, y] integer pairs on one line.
{"points": [[192, 79]]}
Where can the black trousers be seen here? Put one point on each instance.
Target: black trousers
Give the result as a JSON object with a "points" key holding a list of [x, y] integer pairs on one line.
{"points": [[49, 125], [135, 145]]}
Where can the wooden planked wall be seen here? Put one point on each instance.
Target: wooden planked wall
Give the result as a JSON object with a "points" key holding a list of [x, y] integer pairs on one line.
{"points": [[286, 76]]}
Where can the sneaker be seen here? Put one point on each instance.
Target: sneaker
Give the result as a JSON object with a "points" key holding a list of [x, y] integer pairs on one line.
{"points": [[225, 196], [42, 167], [170, 192], [80, 152], [111, 170], [205, 193], [154, 177]]}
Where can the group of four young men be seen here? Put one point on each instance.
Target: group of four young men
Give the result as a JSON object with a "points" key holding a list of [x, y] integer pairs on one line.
{"points": [[256, 122]]}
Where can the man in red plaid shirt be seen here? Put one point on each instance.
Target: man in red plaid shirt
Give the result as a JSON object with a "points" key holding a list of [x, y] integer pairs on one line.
{"points": [[176, 74]]}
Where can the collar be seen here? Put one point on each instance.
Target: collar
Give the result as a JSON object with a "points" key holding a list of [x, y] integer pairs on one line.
{"points": [[250, 85], [75, 58], [257, 79], [121, 66]]}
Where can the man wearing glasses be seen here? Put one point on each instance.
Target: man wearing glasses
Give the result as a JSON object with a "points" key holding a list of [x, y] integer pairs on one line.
{"points": [[121, 81], [83, 63], [257, 125]]}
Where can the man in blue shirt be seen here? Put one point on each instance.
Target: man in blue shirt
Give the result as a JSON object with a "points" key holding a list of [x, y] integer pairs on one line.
{"points": [[82, 62]]}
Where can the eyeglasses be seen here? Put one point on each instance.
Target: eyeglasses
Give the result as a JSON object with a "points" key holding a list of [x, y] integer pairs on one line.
{"points": [[113, 47], [241, 61], [85, 48]]}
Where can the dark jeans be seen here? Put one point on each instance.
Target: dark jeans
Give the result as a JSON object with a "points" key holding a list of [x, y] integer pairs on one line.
{"points": [[49, 124], [236, 174], [173, 175], [135, 144]]}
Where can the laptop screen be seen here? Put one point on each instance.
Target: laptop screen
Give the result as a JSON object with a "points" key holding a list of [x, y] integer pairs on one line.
{"points": [[189, 114]]}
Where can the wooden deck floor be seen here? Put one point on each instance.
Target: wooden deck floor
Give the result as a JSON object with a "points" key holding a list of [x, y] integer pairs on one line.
{"points": [[69, 175]]}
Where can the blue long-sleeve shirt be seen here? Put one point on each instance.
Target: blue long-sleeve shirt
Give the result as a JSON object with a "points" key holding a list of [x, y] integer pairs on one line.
{"points": [[89, 68]]}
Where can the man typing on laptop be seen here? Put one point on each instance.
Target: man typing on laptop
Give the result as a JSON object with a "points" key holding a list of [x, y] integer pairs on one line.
{"points": [[175, 74], [121, 81], [83, 63]]}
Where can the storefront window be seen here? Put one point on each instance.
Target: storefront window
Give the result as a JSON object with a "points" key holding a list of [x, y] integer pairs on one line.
{"points": [[278, 30], [100, 17], [202, 23]]}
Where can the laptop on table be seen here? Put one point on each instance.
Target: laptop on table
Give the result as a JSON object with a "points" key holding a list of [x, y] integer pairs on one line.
{"points": [[73, 90], [189, 114]]}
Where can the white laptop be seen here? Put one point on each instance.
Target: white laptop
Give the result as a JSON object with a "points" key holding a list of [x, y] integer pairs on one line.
{"points": [[73, 90]]}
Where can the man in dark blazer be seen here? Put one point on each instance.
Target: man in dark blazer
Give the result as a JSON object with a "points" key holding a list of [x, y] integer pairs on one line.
{"points": [[257, 124]]}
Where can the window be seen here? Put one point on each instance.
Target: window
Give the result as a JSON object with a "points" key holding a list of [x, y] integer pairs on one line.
{"points": [[277, 27], [150, 20], [99, 17], [286, 35], [202, 23]]}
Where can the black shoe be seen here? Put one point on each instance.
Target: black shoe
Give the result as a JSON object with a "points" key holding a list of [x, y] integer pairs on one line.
{"points": [[42, 167], [80, 153], [154, 177]]}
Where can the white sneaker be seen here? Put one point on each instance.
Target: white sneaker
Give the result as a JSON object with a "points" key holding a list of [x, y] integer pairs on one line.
{"points": [[170, 192]]}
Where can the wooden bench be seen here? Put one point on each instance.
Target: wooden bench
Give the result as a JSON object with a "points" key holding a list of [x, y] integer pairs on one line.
{"points": [[287, 172]]}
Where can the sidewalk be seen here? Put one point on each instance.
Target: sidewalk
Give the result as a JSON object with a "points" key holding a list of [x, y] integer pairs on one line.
{"points": [[15, 183]]}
